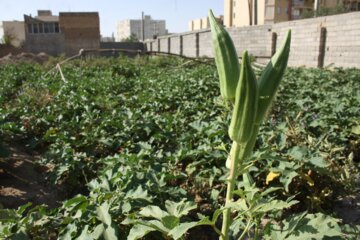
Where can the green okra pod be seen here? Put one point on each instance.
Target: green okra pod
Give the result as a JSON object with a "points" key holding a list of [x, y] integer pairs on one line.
{"points": [[226, 59], [246, 103]]}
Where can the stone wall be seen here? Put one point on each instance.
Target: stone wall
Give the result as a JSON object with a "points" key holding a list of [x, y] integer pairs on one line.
{"points": [[317, 42]]}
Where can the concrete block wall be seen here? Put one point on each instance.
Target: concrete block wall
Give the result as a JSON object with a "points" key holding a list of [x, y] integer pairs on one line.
{"points": [[317, 42], [305, 40], [342, 40], [164, 46], [205, 47], [256, 40], [175, 44], [189, 44]]}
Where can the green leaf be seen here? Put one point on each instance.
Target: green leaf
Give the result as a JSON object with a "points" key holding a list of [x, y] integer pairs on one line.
{"points": [[170, 221], [318, 162], [69, 231], [74, 201], [110, 232], [153, 212], [356, 129], [298, 153], [179, 209], [103, 213], [287, 177], [139, 193], [274, 205], [98, 231], [84, 234], [139, 231], [180, 230]]}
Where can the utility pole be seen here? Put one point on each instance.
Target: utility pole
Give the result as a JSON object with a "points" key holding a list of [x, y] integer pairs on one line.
{"points": [[316, 7], [255, 12], [142, 27], [290, 10]]}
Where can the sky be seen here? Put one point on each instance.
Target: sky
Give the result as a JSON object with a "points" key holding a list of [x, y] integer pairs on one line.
{"points": [[177, 13]]}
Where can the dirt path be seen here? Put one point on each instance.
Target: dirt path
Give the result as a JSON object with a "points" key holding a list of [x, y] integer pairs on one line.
{"points": [[21, 182]]}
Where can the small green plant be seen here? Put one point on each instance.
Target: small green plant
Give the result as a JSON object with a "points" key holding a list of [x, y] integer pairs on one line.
{"points": [[252, 100]]}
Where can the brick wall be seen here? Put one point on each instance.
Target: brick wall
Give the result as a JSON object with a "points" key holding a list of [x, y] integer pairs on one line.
{"points": [[323, 41], [81, 30], [52, 44]]}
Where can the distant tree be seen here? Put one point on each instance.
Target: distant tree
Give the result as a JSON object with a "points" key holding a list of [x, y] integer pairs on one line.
{"points": [[325, 11], [131, 38], [7, 39]]}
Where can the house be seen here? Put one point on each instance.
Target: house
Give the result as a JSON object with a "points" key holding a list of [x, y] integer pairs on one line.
{"points": [[12, 32], [240, 13], [202, 23], [133, 28], [67, 33]]}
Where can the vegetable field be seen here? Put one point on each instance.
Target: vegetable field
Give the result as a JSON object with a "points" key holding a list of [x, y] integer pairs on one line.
{"points": [[140, 145]]}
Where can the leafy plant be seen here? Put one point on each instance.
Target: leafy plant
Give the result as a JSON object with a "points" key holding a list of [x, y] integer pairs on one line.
{"points": [[252, 100]]}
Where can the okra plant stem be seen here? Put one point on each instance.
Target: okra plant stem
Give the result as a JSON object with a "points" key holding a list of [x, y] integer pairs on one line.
{"points": [[238, 155]]}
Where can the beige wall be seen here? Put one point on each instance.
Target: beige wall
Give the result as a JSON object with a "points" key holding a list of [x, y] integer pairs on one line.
{"points": [[15, 29], [228, 13], [198, 24], [236, 12]]}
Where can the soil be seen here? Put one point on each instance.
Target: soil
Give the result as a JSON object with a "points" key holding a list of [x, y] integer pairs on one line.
{"points": [[22, 182], [24, 57]]}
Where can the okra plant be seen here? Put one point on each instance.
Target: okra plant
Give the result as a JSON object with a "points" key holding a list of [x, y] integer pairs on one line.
{"points": [[251, 100]]}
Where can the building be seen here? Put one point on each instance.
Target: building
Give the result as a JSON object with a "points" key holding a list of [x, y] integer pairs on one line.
{"points": [[67, 33], [133, 27], [257, 12], [12, 31], [202, 23]]}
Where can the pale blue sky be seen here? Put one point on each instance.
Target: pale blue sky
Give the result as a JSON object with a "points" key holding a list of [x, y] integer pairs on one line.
{"points": [[177, 13]]}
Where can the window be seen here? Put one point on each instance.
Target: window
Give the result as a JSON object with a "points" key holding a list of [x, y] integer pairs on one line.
{"points": [[41, 28], [51, 27], [35, 28], [278, 10], [30, 28], [46, 27], [57, 27], [234, 15], [234, 3]]}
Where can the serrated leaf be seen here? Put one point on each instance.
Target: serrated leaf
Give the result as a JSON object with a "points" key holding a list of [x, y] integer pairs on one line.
{"points": [[139, 193], [287, 178], [179, 209], [153, 212], [274, 205]]}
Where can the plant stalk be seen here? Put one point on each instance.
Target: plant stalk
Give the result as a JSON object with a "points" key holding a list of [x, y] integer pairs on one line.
{"points": [[238, 155]]}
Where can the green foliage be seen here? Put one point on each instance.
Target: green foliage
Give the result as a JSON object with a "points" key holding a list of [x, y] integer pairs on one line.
{"points": [[131, 38], [325, 11], [158, 137]]}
